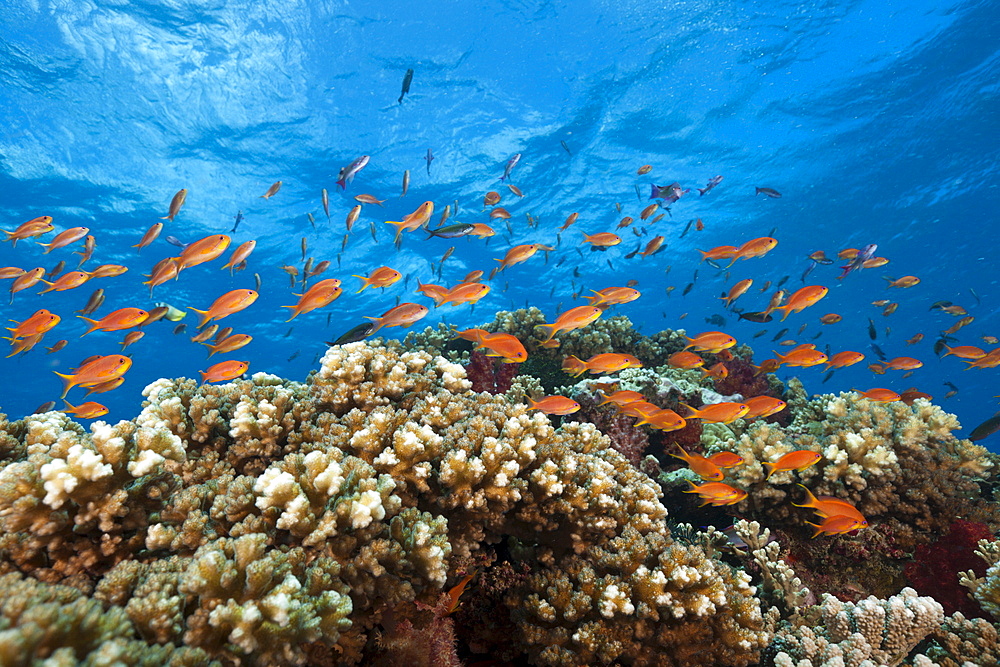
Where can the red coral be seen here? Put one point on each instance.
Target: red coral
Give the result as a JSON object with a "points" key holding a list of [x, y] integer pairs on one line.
{"points": [[935, 567], [488, 374], [628, 440]]}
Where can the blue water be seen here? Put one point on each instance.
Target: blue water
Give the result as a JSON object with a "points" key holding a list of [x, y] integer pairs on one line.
{"points": [[878, 122]]}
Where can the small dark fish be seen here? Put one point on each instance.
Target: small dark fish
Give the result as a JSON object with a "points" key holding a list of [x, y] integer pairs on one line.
{"points": [[951, 386], [407, 79], [712, 182], [812, 265], [374, 238], [781, 282], [716, 320], [430, 158], [938, 305], [565, 147], [770, 192], [802, 328], [829, 374], [47, 406], [256, 278], [759, 333], [94, 302], [239, 219], [56, 270], [294, 355], [305, 247], [759, 317], [511, 163], [173, 240], [354, 334], [638, 194], [687, 288], [986, 429], [289, 332], [451, 231], [878, 352], [975, 296], [872, 333], [690, 222], [180, 328], [634, 252], [326, 203], [778, 336]]}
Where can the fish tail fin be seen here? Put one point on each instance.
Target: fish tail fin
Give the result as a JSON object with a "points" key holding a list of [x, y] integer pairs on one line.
{"points": [[68, 380], [92, 322], [342, 183], [551, 328], [204, 316], [69, 406], [693, 411], [810, 498], [786, 309], [770, 467], [693, 489], [819, 529], [204, 376]]}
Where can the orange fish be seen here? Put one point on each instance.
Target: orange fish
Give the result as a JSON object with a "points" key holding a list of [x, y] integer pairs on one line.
{"points": [[520, 253], [88, 250], [848, 253], [62, 239], [39, 322], [481, 230], [767, 366], [718, 413], [611, 296], [622, 397], [108, 271], [123, 318], [800, 459], [473, 335], [516, 190], [8, 272], [352, 217], [472, 277], [456, 591], [228, 344], [710, 341], [492, 198], [239, 255], [904, 282], [625, 222], [910, 395], [95, 371], [569, 220], [965, 352], [271, 191], [649, 210], [369, 199], [737, 290], [958, 325], [903, 364], [754, 248], [430, 290], [224, 370], [602, 239], [890, 309], [803, 357], [763, 406], [838, 524], [719, 252], [654, 246], [66, 281], [414, 220], [661, 420], [320, 295], [609, 362], [717, 493], [699, 465], [879, 395], [34, 227], [830, 318], [402, 315], [505, 346], [844, 359], [231, 302], [802, 298], [718, 371], [175, 205], [499, 212], [383, 276], [639, 409], [163, 271], [88, 410], [464, 293], [554, 405], [726, 459], [151, 235], [827, 506], [644, 169], [105, 387], [574, 318], [874, 263], [26, 280], [132, 337], [202, 250], [685, 360], [991, 360]]}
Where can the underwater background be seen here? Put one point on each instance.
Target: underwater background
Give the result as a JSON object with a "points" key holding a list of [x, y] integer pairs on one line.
{"points": [[414, 496], [877, 123]]}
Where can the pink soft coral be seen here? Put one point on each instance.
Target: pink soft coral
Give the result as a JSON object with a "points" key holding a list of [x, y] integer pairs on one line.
{"points": [[935, 567]]}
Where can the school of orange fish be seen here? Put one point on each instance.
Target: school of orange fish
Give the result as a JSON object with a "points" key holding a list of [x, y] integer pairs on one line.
{"points": [[103, 373]]}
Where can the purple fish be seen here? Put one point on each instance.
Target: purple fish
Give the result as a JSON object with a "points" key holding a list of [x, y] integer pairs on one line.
{"points": [[173, 240], [669, 193], [866, 253], [348, 173], [510, 166], [712, 182]]}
